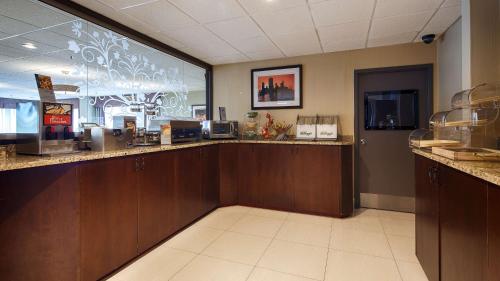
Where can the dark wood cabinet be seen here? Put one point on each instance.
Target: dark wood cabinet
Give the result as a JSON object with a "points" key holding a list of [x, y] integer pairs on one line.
{"points": [[188, 191], [39, 224], [427, 216], [228, 174], [315, 179], [156, 203], [316, 182], [210, 177], [108, 215], [493, 232], [462, 216], [276, 177], [249, 177]]}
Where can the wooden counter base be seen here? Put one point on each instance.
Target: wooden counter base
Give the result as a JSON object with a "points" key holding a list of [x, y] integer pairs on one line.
{"points": [[82, 221]]}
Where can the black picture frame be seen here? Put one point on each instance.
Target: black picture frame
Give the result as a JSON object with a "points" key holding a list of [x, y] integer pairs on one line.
{"points": [[297, 67]]}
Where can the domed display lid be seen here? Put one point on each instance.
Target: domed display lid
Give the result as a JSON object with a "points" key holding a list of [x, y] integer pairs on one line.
{"points": [[483, 95]]}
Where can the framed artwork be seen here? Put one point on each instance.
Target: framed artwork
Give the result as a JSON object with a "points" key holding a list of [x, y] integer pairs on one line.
{"points": [[277, 87], [199, 111]]}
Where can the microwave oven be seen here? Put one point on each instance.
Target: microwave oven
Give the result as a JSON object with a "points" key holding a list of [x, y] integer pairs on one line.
{"points": [[213, 129]]}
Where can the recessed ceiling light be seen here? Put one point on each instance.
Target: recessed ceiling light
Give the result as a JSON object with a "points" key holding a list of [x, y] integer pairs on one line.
{"points": [[29, 46]]}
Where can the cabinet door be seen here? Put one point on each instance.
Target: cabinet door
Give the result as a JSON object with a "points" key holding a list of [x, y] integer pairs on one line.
{"points": [[462, 217], [427, 216], [317, 179], [228, 174], [188, 191], [156, 199], [276, 179], [493, 232], [210, 177], [108, 215], [39, 224], [249, 178]]}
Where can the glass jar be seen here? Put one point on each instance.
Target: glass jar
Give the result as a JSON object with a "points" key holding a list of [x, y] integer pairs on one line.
{"points": [[251, 125]]}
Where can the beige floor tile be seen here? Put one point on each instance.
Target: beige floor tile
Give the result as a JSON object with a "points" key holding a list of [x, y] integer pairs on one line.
{"points": [[364, 212], [411, 271], [204, 268], [396, 215], [238, 247], [268, 213], [194, 239], [363, 242], [360, 223], [294, 258], [403, 248], [303, 218], [344, 266], [313, 234], [262, 274], [221, 220], [158, 265], [234, 209], [400, 227], [255, 225]]}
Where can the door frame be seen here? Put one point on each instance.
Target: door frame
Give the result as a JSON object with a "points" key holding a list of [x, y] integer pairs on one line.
{"points": [[429, 68]]}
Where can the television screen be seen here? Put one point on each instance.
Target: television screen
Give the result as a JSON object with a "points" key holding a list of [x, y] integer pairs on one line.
{"points": [[391, 110]]}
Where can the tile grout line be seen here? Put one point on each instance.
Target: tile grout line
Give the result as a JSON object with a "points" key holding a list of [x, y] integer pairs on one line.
{"points": [[269, 245], [392, 253], [200, 253], [328, 250]]}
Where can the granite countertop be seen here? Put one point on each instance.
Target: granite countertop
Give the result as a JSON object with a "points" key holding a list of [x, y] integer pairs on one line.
{"points": [[26, 161], [485, 170]]}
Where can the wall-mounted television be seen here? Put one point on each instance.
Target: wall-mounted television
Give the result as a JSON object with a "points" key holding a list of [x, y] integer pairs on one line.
{"points": [[391, 110]]}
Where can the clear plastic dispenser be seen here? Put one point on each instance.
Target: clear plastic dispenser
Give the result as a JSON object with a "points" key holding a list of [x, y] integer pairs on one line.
{"points": [[472, 122]]}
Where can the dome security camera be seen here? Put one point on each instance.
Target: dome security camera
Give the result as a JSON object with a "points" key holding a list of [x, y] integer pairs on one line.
{"points": [[428, 38]]}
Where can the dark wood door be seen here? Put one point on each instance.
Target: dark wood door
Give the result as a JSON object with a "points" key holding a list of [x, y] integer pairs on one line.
{"points": [[108, 215], [317, 184], [385, 165], [210, 177], [228, 174], [39, 224], [249, 178], [493, 232], [274, 169], [188, 191], [156, 207], [462, 215], [427, 216]]}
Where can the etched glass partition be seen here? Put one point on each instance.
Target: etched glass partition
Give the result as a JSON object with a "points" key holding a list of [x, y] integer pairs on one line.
{"points": [[102, 73]]}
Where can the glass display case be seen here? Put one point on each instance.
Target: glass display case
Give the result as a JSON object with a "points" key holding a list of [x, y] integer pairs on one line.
{"points": [[484, 96], [472, 122]]}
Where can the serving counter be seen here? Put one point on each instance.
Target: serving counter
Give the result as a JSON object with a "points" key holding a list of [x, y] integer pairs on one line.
{"points": [[86, 215]]}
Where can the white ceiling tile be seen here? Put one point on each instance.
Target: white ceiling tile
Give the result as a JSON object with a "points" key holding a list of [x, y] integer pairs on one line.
{"points": [[291, 20], [254, 6], [160, 14], [389, 8], [295, 44], [206, 11], [449, 3], [254, 44], [443, 18], [235, 29], [167, 40], [341, 11], [344, 32], [343, 45], [227, 59], [265, 55], [387, 27], [120, 4], [394, 39]]}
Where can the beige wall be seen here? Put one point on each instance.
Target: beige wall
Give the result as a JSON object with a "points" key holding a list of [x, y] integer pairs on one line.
{"points": [[328, 81], [449, 60], [485, 44]]}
